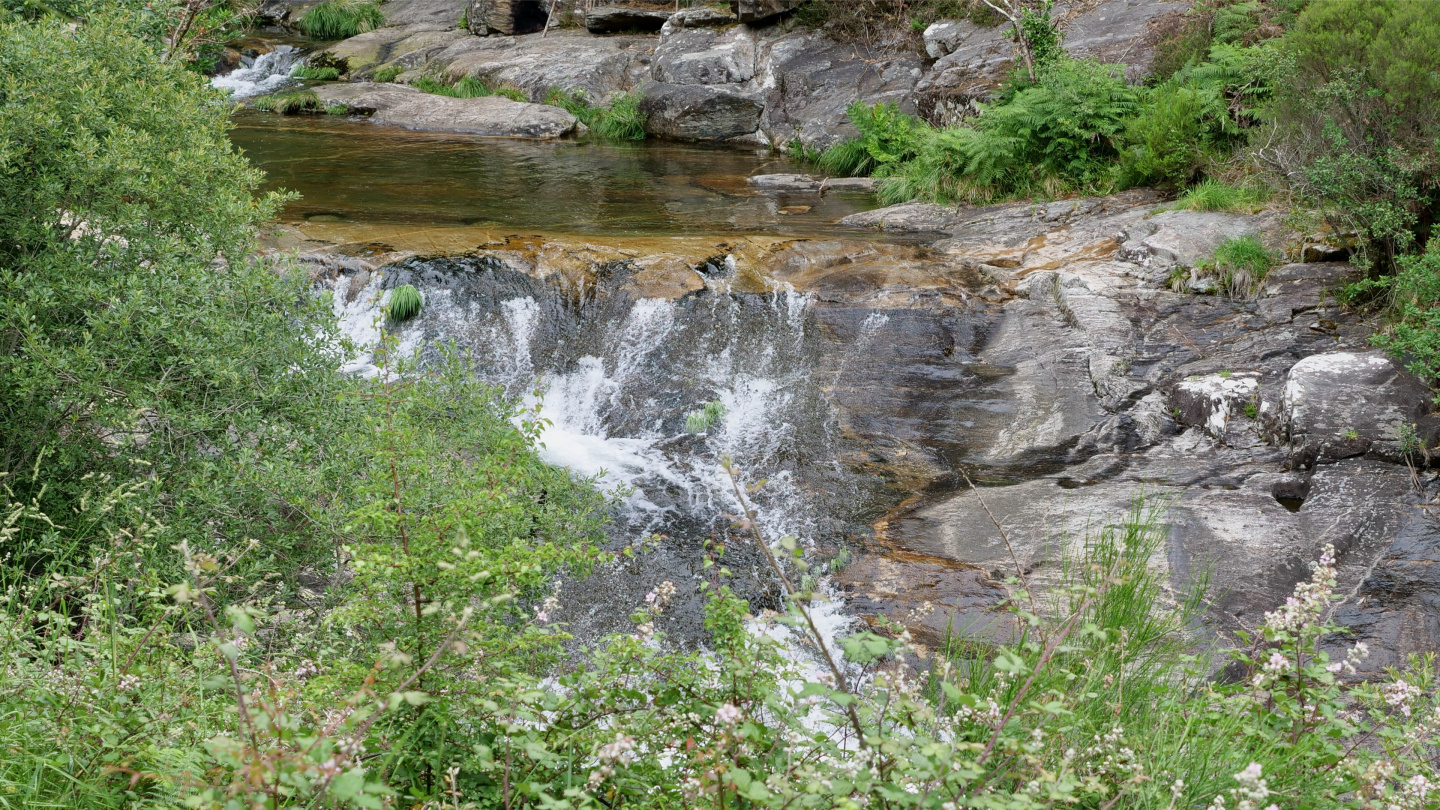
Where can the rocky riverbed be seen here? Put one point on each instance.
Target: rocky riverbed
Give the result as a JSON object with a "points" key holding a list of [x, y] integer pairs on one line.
{"points": [[749, 75], [1042, 350]]}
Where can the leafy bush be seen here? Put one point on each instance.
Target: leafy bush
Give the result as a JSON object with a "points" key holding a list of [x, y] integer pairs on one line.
{"points": [[1061, 133], [1414, 333], [289, 103], [888, 138], [1356, 129], [341, 19]]}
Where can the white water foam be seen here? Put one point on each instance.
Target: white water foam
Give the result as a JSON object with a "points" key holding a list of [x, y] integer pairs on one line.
{"points": [[578, 399], [264, 74]]}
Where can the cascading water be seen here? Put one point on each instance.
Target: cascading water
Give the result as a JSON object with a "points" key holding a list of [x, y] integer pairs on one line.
{"points": [[616, 377], [259, 75]]}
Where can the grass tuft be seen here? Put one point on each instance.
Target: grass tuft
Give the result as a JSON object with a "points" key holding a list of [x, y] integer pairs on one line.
{"points": [[706, 418], [1238, 267], [296, 101], [387, 74], [1213, 195], [468, 87], [319, 74], [341, 19], [620, 120], [405, 303]]}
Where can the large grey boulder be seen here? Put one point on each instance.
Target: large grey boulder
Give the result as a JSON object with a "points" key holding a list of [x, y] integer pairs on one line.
{"points": [[507, 17], [402, 106], [809, 81], [705, 56], [433, 13], [699, 113], [1210, 401], [750, 11], [1342, 404], [697, 17], [566, 59], [618, 19], [407, 47]]}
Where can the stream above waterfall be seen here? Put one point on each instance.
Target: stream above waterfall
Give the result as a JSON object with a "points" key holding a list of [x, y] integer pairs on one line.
{"points": [[357, 175]]}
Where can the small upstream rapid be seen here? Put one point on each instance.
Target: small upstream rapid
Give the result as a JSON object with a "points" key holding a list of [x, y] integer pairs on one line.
{"points": [[260, 74]]}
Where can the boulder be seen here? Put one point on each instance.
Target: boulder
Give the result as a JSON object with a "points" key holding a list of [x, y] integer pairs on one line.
{"points": [[507, 17], [705, 56], [697, 17], [444, 14], [407, 107], [1173, 238], [621, 19], [906, 218], [1342, 404], [566, 59], [749, 11], [784, 182], [1210, 401], [407, 46], [810, 80], [699, 113]]}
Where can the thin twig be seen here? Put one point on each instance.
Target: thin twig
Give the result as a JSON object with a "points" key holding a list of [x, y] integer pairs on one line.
{"points": [[1019, 572], [796, 600]]}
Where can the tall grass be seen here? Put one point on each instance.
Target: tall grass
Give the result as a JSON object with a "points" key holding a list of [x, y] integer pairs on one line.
{"points": [[468, 87], [1213, 195], [620, 120], [296, 101], [341, 19]]}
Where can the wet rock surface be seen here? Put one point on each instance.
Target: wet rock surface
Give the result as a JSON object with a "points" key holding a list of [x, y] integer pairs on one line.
{"points": [[1023, 346], [398, 105]]}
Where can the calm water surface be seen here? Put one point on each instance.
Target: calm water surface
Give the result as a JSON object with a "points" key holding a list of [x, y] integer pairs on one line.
{"points": [[352, 171]]}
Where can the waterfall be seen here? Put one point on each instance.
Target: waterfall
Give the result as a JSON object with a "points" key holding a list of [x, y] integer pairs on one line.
{"points": [[263, 74], [614, 380]]}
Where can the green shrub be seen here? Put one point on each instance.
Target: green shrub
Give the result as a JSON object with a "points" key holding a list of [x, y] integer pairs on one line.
{"points": [[341, 19], [706, 418], [1356, 130], [1059, 134], [404, 304], [1413, 335], [888, 138], [320, 74], [291, 103]]}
